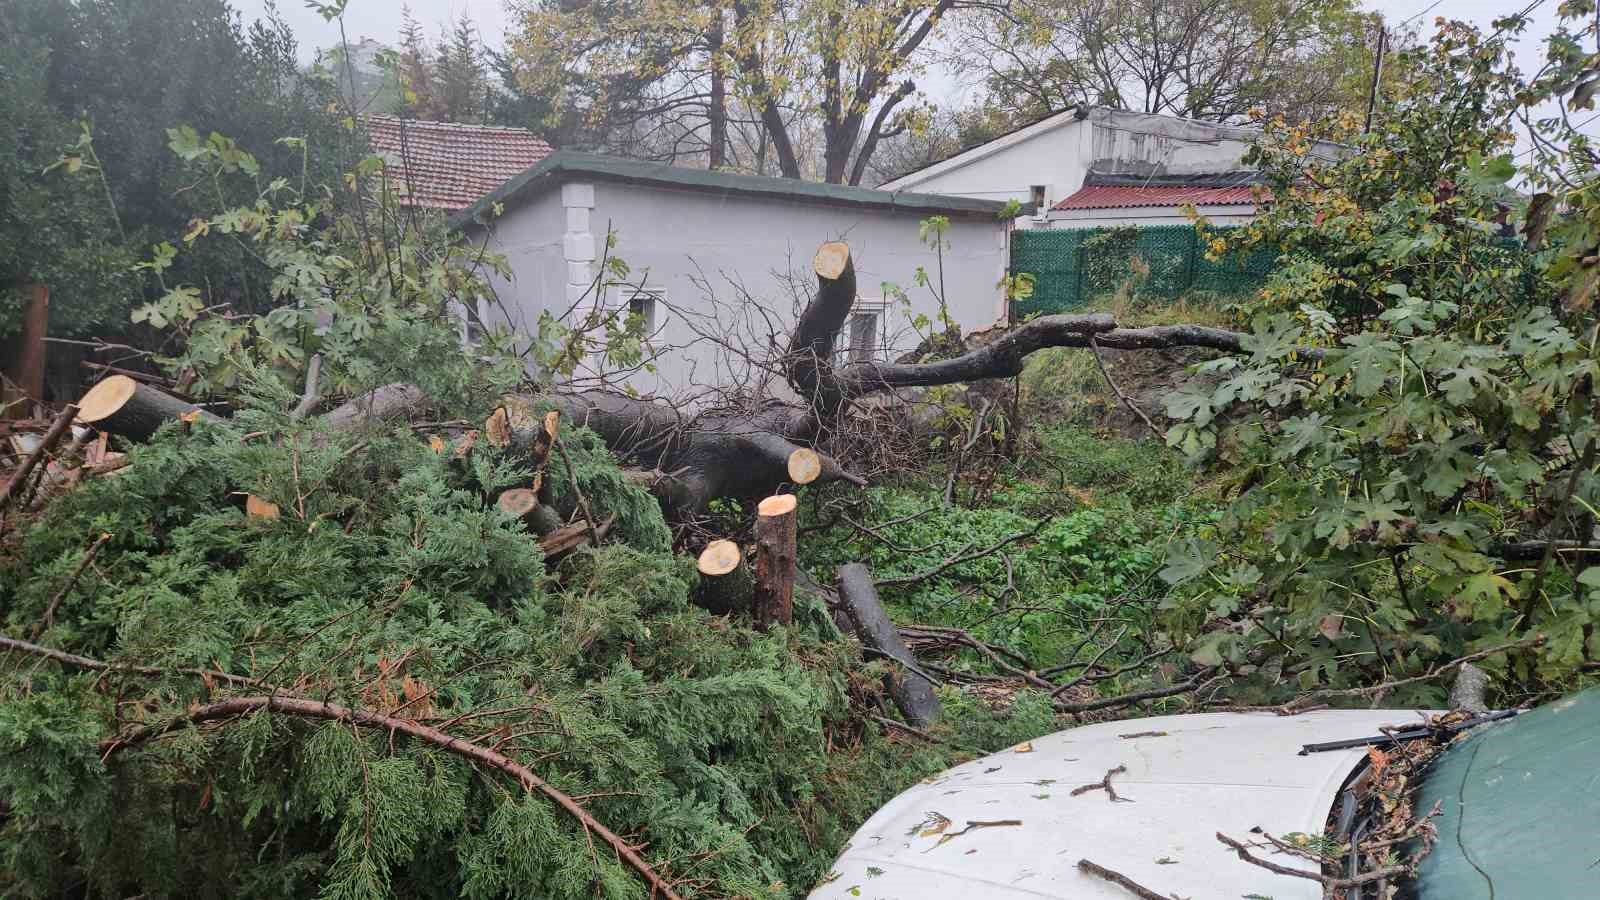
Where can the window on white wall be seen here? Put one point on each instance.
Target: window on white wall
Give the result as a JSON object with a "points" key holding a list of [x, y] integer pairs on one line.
{"points": [[864, 330], [643, 303], [635, 301], [1038, 193]]}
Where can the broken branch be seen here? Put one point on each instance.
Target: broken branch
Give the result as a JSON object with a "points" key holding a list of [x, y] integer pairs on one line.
{"points": [[1121, 880]]}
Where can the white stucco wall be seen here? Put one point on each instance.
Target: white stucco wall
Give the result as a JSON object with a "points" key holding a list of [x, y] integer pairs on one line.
{"points": [[731, 264], [1053, 152], [1059, 151]]}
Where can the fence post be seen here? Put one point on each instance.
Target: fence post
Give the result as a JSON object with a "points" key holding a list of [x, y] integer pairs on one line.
{"points": [[24, 354], [1194, 246]]}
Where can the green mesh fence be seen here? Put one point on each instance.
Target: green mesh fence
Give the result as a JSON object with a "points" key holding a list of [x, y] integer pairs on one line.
{"points": [[1071, 266]]}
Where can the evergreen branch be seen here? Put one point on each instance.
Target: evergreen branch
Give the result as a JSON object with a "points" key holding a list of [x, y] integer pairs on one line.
{"points": [[66, 587], [316, 709], [95, 665]]}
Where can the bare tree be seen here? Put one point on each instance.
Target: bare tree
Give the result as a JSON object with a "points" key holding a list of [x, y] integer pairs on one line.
{"points": [[1205, 59]]}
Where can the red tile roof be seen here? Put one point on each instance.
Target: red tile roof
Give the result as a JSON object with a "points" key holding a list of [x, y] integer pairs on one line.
{"points": [[451, 166], [1101, 197]]}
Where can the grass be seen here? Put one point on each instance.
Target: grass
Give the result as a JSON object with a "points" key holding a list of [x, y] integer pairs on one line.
{"points": [[1064, 384], [1103, 510]]}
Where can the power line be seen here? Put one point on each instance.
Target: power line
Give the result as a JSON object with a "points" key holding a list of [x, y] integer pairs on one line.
{"points": [[1419, 15]]}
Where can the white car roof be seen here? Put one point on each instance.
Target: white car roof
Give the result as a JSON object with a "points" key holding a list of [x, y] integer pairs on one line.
{"points": [[1187, 778]]}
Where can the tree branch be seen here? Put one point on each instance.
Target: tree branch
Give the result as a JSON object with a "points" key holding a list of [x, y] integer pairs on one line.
{"points": [[314, 709]]}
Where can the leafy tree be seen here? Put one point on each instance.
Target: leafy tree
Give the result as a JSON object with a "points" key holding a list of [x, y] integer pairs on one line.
{"points": [[680, 67], [1204, 59], [1415, 428], [59, 230], [443, 83], [127, 71]]}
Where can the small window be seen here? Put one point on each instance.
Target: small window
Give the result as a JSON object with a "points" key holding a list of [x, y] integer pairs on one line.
{"points": [[863, 335], [864, 331], [642, 303], [1037, 194]]}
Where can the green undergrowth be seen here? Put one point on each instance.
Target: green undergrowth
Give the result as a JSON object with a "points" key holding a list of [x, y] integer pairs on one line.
{"points": [[389, 583], [1097, 513], [1064, 384]]}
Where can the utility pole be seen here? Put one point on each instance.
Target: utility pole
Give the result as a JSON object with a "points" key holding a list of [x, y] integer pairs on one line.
{"points": [[1377, 75]]}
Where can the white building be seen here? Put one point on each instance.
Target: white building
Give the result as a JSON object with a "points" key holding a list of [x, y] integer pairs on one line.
{"points": [[717, 260], [1089, 167]]}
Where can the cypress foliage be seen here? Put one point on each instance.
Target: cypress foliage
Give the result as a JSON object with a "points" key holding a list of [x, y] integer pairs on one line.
{"points": [[390, 583]]}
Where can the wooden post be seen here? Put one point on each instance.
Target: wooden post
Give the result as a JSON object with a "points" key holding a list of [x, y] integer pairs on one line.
{"points": [[775, 560], [24, 358], [725, 582]]}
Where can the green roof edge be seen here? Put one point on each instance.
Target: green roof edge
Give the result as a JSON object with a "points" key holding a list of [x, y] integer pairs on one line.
{"points": [[564, 165]]}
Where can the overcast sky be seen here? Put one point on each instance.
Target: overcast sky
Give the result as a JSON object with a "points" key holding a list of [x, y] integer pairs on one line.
{"points": [[380, 19]]}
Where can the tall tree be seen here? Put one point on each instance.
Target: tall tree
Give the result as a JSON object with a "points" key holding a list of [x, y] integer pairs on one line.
{"points": [[459, 73], [414, 69], [674, 70], [1204, 59]]}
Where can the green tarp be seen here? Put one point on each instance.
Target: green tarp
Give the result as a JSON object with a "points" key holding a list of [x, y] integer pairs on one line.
{"points": [[1520, 804]]}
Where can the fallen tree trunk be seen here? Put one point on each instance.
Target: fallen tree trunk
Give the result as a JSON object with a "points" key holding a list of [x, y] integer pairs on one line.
{"points": [[748, 448], [913, 694], [133, 410]]}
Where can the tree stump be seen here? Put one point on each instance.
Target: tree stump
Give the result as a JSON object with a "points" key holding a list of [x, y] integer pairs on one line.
{"points": [[129, 409], [726, 585], [523, 504], [775, 560]]}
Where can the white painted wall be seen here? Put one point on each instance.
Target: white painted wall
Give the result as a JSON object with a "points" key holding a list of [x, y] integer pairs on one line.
{"points": [[752, 255], [1053, 152], [1059, 151]]}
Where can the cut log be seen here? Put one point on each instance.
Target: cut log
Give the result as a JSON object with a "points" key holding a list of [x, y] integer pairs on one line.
{"points": [[726, 585], [804, 466], [523, 504], [809, 363], [392, 401], [913, 694], [126, 408], [257, 508], [775, 560]]}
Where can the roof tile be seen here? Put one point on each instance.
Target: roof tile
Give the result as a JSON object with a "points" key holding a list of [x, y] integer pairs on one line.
{"points": [[1095, 197], [445, 165]]}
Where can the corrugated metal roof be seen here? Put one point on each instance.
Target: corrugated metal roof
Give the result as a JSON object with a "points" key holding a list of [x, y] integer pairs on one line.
{"points": [[449, 166], [1120, 197], [565, 165]]}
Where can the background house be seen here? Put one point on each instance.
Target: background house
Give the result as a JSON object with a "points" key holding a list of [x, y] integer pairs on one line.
{"points": [[1094, 166], [716, 257]]}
